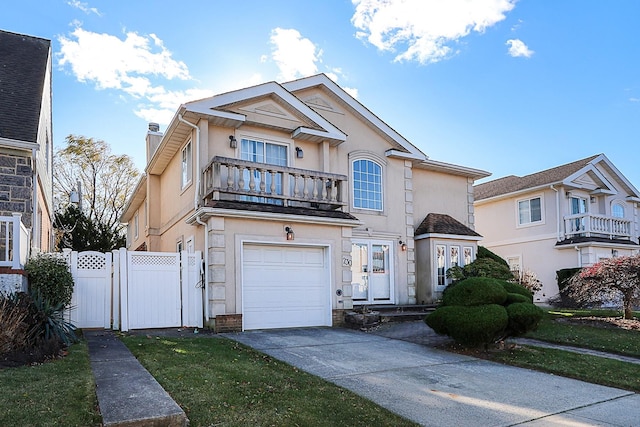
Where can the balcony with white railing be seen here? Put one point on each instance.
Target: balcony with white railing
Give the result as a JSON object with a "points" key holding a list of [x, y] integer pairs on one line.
{"points": [[14, 242], [240, 180], [593, 225]]}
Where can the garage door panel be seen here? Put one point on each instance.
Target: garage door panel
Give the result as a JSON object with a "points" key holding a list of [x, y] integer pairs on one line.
{"points": [[285, 286]]}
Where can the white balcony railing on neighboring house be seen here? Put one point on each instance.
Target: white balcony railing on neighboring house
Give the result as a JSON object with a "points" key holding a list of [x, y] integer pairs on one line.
{"points": [[590, 225], [233, 179], [14, 242]]}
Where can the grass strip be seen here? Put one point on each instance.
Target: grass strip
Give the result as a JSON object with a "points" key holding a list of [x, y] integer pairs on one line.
{"points": [[593, 369], [223, 383], [611, 340], [56, 393]]}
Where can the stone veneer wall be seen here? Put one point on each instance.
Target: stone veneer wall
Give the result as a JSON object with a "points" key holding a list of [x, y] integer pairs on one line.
{"points": [[411, 247], [16, 186]]}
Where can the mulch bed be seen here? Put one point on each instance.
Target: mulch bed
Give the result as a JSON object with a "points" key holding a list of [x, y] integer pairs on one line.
{"points": [[48, 350]]}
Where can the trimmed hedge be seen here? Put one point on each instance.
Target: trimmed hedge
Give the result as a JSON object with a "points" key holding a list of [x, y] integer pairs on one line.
{"points": [[475, 291], [514, 288], [470, 326], [481, 310], [523, 317], [513, 298]]}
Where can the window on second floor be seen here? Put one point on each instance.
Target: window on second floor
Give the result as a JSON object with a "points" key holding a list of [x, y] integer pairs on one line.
{"points": [[617, 210], [135, 226], [367, 185], [529, 211], [187, 165]]}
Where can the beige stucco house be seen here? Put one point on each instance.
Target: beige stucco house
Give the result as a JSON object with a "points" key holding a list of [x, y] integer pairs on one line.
{"points": [[304, 203], [569, 216], [26, 146]]}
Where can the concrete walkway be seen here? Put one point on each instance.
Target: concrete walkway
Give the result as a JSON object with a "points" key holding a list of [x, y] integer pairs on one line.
{"points": [[127, 394], [436, 388]]}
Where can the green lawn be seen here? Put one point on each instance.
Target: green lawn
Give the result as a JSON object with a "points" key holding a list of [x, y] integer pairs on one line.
{"points": [[57, 393], [220, 382], [592, 369], [620, 341]]}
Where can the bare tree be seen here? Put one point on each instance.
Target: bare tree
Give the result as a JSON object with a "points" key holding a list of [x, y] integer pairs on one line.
{"points": [[613, 280], [105, 179]]}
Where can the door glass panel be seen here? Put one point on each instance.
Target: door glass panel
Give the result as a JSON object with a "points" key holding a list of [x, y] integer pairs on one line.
{"points": [[380, 284], [579, 206], [263, 152], [359, 271]]}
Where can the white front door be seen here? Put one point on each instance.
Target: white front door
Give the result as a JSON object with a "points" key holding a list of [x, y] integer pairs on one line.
{"points": [[371, 271]]}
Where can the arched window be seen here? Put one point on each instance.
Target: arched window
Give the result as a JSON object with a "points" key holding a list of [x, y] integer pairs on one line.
{"points": [[367, 185], [617, 210]]}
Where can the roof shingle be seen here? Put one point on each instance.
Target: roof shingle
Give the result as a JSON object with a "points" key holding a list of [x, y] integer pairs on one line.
{"points": [[512, 183], [23, 65], [436, 223]]}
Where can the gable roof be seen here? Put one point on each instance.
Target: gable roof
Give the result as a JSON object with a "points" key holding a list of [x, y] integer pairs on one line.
{"points": [[511, 184], [436, 223], [23, 65]]}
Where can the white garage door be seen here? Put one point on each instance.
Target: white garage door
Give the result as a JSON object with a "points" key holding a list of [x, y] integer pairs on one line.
{"points": [[284, 287]]}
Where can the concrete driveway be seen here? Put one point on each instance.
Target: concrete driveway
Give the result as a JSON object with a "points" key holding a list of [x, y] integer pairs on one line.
{"points": [[436, 388]]}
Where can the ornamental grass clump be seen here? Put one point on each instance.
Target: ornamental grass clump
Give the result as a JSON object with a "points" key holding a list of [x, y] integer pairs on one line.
{"points": [[479, 311]]}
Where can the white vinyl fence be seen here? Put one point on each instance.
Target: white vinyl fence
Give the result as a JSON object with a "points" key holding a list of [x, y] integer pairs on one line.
{"points": [[136, 290]]}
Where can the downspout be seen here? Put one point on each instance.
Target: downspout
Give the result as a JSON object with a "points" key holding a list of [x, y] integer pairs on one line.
{"points": [[557, 212], [35, 233], [196, 199]]}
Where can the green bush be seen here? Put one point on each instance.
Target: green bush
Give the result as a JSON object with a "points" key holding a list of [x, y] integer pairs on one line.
{"points": [[50, 277], [513, 298], [486, 253], [515, 288], [470, 326], [475, 291], [523, 317]]}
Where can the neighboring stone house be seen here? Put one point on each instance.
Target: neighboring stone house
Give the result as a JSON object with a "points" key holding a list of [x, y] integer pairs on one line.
{"points": [[304, 203], [25, 151], [573, 215]]}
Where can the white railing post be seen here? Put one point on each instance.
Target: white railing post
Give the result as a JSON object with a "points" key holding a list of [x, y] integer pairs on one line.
{"points": [[124, 287], [115, 290], [15, 249]]}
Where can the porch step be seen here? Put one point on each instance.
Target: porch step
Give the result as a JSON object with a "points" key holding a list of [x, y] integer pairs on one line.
{"points": [[373, 315]]}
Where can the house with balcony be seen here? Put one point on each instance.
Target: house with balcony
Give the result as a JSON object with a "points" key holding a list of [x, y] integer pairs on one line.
{"points": [[26, 195], [569, 216], [304, 203]]}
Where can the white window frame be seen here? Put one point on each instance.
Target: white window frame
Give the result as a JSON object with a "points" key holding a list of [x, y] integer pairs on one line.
{"points": [[447, 249], [620, 205], [513, 261], [530, 222], [136, 225], [353, 189], [186, 165]]}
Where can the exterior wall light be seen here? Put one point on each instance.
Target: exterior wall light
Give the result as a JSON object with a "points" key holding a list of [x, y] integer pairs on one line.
{"points": [[403, 245], [299, 153], [290, 234], [233, 142]]}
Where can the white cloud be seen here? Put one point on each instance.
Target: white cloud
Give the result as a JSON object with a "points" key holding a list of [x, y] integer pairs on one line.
{"points": [[351, 91], [83, 7], [424, 30], [517, 48], [112, 63], [294, 55], [133, 66]]}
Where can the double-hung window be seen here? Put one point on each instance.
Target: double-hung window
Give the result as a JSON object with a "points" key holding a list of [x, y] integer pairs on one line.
{"points": [[367, 185], [529, 211], [187, 165]]}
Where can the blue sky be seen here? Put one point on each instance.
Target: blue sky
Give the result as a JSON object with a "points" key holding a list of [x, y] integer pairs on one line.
{"points": [[510, 87]]}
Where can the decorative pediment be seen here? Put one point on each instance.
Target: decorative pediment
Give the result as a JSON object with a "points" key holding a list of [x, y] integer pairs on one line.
{"points": [[267, 108], [320, 102]]}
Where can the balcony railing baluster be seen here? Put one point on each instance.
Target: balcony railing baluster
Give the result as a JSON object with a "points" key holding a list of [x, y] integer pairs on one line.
{"points": [[272, 184]]}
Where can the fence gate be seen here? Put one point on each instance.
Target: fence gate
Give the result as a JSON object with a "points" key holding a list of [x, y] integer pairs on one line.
{"points": [[136, 290], [91, 300]]}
